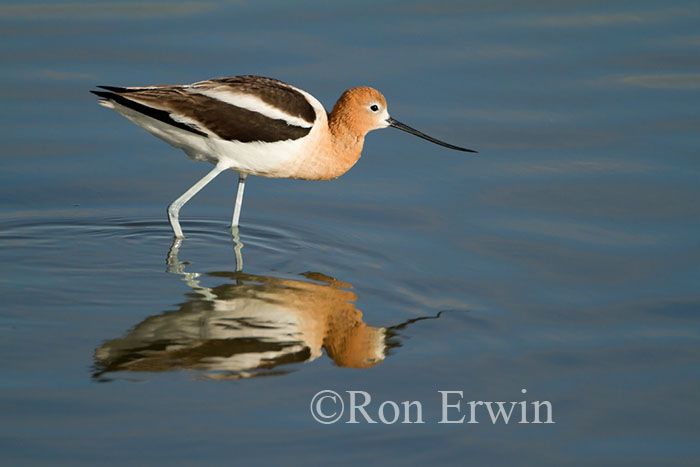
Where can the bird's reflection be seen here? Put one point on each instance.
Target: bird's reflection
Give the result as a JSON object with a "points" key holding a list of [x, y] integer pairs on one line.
{"points": [[250, 325]]}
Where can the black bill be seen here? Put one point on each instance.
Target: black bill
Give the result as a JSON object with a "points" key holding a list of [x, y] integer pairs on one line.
{"points": [[413, 131]]}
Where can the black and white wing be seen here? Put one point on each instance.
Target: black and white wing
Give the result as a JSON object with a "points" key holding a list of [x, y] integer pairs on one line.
{"points": [[239, 108]]}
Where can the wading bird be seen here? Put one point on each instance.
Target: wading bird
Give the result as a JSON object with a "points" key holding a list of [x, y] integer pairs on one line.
{"points": [[256, 126]]}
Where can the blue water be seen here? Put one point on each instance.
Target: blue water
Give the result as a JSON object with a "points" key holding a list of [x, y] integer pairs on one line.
{"points": [[563, 259]]}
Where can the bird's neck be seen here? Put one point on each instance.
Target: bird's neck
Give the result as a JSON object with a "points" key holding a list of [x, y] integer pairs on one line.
{"points": [[346, 140]]}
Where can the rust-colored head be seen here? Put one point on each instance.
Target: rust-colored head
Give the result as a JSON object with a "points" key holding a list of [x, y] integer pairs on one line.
{"points": [[360, 110]]}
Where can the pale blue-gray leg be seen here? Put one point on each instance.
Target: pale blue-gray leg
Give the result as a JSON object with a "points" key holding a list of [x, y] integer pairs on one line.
{"points": [[239, 200], [174, 208]]}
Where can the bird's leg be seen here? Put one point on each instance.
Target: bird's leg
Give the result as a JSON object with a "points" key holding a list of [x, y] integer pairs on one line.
{"points": [[174, 208], [237, 245], [175, 266], [172, 260], [239, 200]]}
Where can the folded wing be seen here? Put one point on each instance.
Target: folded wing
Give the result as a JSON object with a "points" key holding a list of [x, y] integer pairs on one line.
{"points": [[240, 108]]}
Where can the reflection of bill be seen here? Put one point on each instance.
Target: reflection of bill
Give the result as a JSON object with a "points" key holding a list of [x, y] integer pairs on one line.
{"points": [[250, 325]]}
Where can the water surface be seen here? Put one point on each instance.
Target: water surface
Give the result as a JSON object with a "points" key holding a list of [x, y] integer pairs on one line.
{"points": [[563, 259]]}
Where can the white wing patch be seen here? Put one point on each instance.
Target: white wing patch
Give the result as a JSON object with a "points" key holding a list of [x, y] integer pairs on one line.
{"points": [[188, 121], [252, 103]]}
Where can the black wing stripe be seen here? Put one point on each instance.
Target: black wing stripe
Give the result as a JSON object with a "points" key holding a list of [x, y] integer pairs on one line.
{"points": [[234, 123], [161, 115], [114, 88], [271, 91]]}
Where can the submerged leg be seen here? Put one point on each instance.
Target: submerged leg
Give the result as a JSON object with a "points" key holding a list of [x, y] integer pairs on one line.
{"points": [[174, 208], [237, 245], [175, 266], [239, 200]]}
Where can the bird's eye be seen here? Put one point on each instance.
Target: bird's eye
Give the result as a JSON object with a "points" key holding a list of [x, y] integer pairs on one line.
{"points": [[374, 107]]}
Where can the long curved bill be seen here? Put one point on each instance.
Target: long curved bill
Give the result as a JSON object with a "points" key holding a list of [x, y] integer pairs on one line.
{"points": [[396, 124]]}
